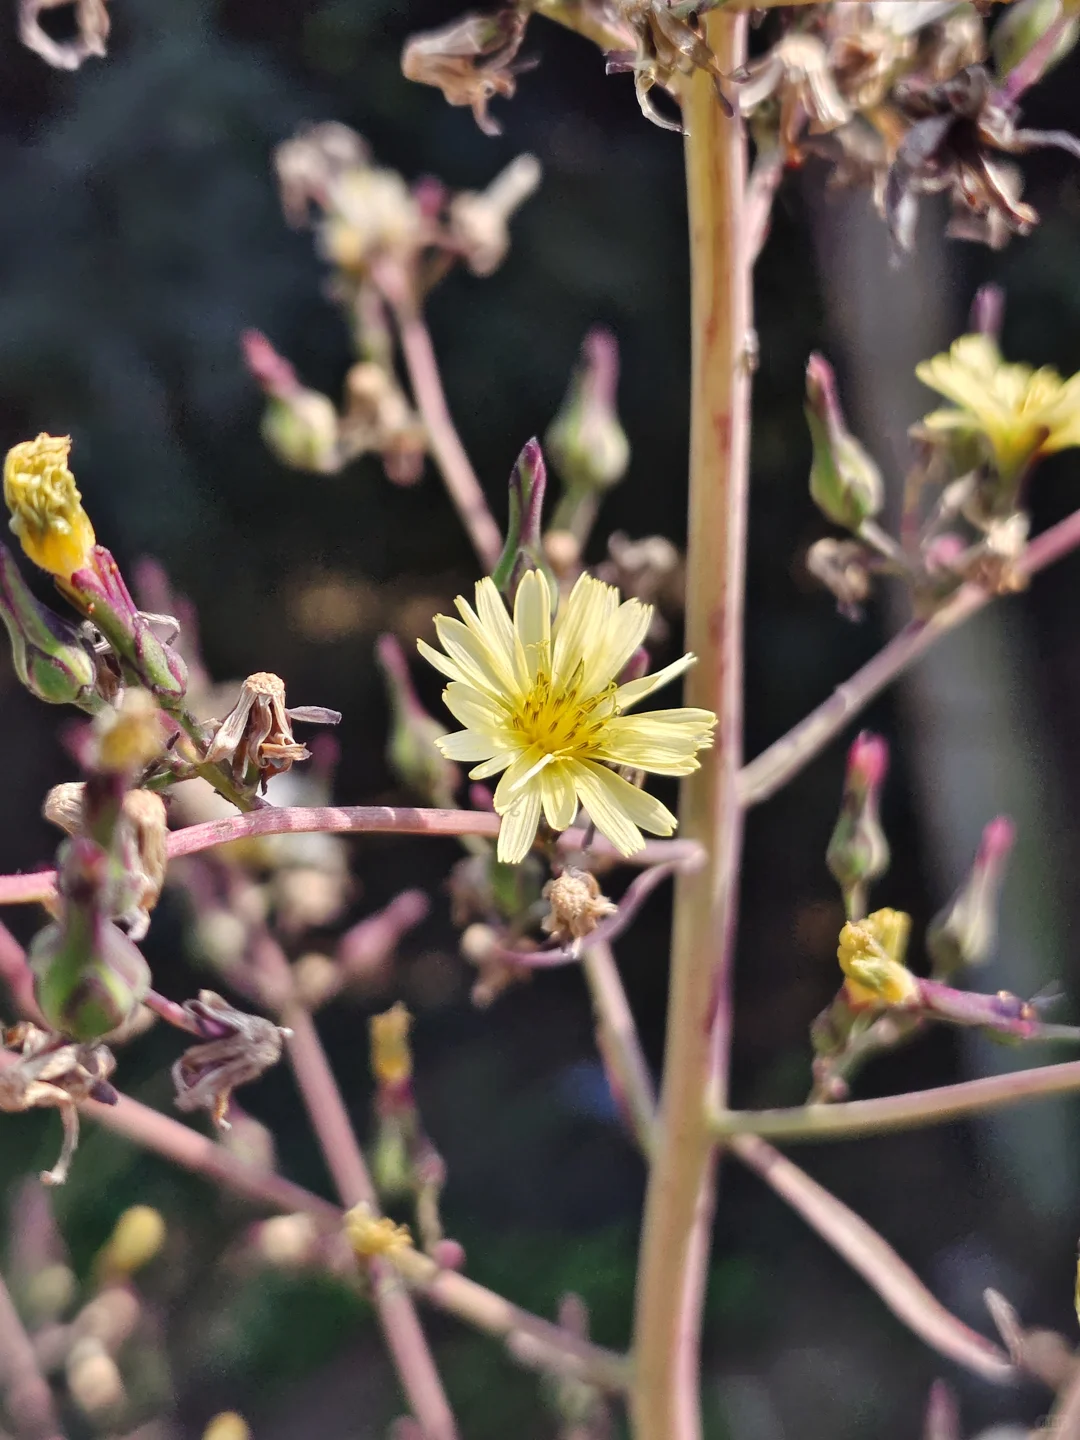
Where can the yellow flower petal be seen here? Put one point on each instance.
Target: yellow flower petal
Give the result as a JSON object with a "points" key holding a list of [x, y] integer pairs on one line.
{"points": [[559, 796], [635, 691], [518, 829]]}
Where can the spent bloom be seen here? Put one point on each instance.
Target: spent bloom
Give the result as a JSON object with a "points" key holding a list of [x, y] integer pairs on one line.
{"points": [[46, 507], [541, 703], [1023, 413]]}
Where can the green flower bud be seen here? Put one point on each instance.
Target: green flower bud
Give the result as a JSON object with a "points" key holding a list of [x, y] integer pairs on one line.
{"points": [[1022, 26], [963, 933], [50, 657], [524, 547], [858, 851], [845, 483], [299, 426], [89, 978], [587, 444]]}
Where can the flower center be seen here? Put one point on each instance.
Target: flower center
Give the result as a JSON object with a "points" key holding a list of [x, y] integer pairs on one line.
{"points": [[558, 722]]}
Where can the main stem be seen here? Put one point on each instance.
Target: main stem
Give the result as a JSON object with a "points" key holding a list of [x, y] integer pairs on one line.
{"points": [[674, 1246]]}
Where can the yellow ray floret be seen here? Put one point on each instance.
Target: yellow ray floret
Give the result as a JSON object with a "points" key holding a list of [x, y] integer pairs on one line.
{"points": [[46, 507], [1024, 413], [541, 704]]}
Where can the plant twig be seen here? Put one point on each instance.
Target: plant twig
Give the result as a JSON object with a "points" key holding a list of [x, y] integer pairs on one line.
{"points": [[459, 477], [875, 1260], [27, 1397], [678, 1204], [617, 1041], [405, 1338], [939, 1106], [773, 768]]}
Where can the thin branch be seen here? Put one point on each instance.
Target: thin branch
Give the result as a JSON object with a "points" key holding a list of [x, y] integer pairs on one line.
{"points": [[449, 1291], [618, 1043], [25, 1392], [326, 1110], [939, 1106], [16, 975], [40, 885], [774, 767], [866, 1252]]}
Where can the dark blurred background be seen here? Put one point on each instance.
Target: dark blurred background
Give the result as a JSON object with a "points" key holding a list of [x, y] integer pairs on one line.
{"points": [[139, 234]]}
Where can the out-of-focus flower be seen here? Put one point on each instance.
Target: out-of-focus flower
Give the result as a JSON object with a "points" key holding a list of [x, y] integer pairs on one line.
{"points": [[91, 32], [51, 1073], [309, 163], [129, 736], [46, 506], [373, 1235], [471, 60], [137, 1237], [93, 1378], [585, 440], [542, 703], [961, 127], [1024, 413], [300, 426], [577, 906], [227, 1426], [206, 1075], [391, 1054], [964, 931], [845, 483], [842, 566], [256, 737], [871, 954], [379, 419], [795, 77], [479, 220]]}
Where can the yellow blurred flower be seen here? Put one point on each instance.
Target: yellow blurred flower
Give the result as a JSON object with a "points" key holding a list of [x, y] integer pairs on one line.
{"points": [[370, 1234], [871, 954], [46, 507], [1023, 413], [391, 1057], [541, 702]]}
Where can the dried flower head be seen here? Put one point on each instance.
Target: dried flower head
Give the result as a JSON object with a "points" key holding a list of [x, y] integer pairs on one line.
{"points": [[1024, 413], [244, 1047], [795, 78], [309, 164], [51, 1073], [46, 507], [391, 1054], [961, 127], [577, 906], [471, 60], [256, 737], [666, 45], [542, 703], [372, 1235], [842, 566], [871, 954]]}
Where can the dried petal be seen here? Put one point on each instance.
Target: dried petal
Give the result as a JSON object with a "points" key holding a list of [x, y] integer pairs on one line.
{"points": [[245, 1046], [471, 60]]}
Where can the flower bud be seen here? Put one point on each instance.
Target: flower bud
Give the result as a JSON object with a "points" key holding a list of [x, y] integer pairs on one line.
{"points": [[845, 483], [50, 657], [858, 851], [871, 954], [227, 1426], [46, 507], [524, 547], [1022, 26], [478, 222], [411, 752], [963, 933], [391, 1055], [136, 1238], [587, 444]]}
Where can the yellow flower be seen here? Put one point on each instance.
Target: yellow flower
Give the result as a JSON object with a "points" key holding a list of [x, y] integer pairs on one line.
{"points": [[391, 1057], [370, 1234], [1023, 413], [871, 954], [541, 703], [45, 505]]}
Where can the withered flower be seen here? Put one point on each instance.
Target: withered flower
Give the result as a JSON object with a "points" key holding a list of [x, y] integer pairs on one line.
{"points": [[141, 843], [667, 46], [53, 1074], [243, 1048], [379, 419], [795, 76], [842, 566], [577, 907], [311, 162], [257, 734], [471, 60], [961, 129], [479, 221], [91, 32]]}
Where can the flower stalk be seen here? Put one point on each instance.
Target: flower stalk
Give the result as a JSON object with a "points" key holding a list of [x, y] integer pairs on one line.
{"points": [[678, 1210]]}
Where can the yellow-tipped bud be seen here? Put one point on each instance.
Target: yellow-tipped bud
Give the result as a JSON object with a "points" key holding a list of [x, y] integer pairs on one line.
{"points": [[227, 1426], [130, 737], [871, 954], [137, 1238], [46, 507], [370, 1234], [391, 1055]]}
